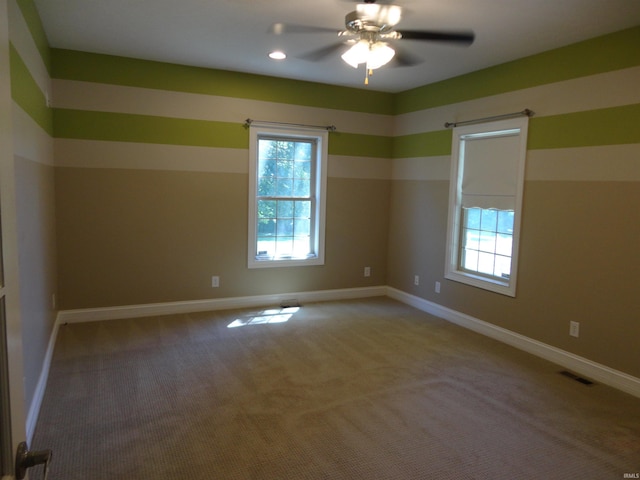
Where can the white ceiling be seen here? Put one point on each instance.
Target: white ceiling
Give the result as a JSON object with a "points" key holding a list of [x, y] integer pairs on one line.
{"points": [[233, 34]]}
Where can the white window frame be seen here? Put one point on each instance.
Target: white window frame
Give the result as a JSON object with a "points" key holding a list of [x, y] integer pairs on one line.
{"points": [[453, 271], [321, 137]]}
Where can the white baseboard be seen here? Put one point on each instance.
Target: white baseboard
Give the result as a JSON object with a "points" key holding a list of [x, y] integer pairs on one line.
{"points": [[170, 308], [131, 311], [592, 370], [38, 394]]}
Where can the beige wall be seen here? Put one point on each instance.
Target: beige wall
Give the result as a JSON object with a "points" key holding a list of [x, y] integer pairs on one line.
{"points": [[32, 146], [37, 260], [139, 236], [578, 261]]}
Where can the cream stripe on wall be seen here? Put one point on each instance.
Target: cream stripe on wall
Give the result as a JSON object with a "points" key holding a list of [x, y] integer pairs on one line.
{"points": [[70, 94], [607, 163], [370, 168], [612, 163], [432, 168], [611, 89], [29, 139], [150, 156], [24, 43]]}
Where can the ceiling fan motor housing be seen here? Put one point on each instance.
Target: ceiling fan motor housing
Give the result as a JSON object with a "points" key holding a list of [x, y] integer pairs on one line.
{"points": [[371, 17]]}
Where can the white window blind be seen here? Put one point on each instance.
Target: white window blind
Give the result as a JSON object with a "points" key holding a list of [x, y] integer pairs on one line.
{"points": [[489, 178]]}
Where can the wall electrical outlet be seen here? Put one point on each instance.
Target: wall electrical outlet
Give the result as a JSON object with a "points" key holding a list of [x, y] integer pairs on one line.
{"points": [[437, 287], [416, 280], [215, 281], [574, 329], [367, 271]]}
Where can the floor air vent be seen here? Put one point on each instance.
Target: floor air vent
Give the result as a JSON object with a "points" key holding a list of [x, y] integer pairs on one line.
{"points": [[575, 377]]}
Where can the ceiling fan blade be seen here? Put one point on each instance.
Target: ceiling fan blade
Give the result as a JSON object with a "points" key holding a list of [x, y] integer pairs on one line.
{"points": [[281, 28], [323, 52], [463, 38], [403, 58]]}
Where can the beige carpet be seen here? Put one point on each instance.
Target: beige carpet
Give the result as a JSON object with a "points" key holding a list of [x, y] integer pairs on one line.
{"points": [[369, 389]]}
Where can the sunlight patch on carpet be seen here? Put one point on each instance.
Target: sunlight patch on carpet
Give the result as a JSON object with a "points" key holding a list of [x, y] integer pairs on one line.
{"points": [[272, 315]]}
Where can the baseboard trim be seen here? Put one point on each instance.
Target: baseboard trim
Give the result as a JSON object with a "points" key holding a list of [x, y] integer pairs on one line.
{"points": [[38, 394], [171, 308], [592, 370]]}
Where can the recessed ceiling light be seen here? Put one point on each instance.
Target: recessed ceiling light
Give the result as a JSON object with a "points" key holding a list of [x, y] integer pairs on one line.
{"points": [[277, 55]]}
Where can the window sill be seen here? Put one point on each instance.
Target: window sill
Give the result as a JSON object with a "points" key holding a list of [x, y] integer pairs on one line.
{"points": [[285, 262], [494, 285]]}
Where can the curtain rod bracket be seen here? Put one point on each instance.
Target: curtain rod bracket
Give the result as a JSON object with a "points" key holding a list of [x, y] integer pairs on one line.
{"points": [[249, 121], [526, 112]]}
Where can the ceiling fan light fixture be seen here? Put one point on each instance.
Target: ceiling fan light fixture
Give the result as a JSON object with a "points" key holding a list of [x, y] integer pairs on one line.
{"points": [[357, 54], [373, 55], [379, 54]]}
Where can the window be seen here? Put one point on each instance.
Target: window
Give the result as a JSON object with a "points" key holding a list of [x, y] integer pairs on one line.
{"points": [[485, 199], [287, 181]]}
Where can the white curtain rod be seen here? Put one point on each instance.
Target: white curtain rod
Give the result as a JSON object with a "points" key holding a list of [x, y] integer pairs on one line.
{"points": [[248, 122], [525, 112]]}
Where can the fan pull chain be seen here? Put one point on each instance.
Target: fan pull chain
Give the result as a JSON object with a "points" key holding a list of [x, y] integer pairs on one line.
{"points": [[368, 72]]}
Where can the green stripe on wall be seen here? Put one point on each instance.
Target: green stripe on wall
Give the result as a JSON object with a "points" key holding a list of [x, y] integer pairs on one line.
{"points": [[607, 126], [91, 67], [124, 127], [602, 54], [26, 92], [427, 144], [359, 145], [34, 23]]}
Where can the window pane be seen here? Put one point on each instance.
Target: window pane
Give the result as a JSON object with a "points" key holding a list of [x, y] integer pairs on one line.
{"points": [[266, 227], [266, 186], [284, 227], [285, 150], [285, 208], [470, 259], [302, 169], [505, 221], [503, 244], [471, 239], [266, 246], [472, 217], [485, 263], [268, 149], [301, 246], [302, 187], [489, 220], [285, 187], [487, 242], [284, 168], [284, 246], [266, 209], [503, 266], [302, 151], [303, 209], [302, 226]]}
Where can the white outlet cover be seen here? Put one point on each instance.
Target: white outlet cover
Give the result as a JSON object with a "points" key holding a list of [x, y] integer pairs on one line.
{"points": [[574, 329]]}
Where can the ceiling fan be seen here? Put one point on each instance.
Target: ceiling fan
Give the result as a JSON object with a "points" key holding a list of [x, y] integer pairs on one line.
{"points": [[368, 29]]}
